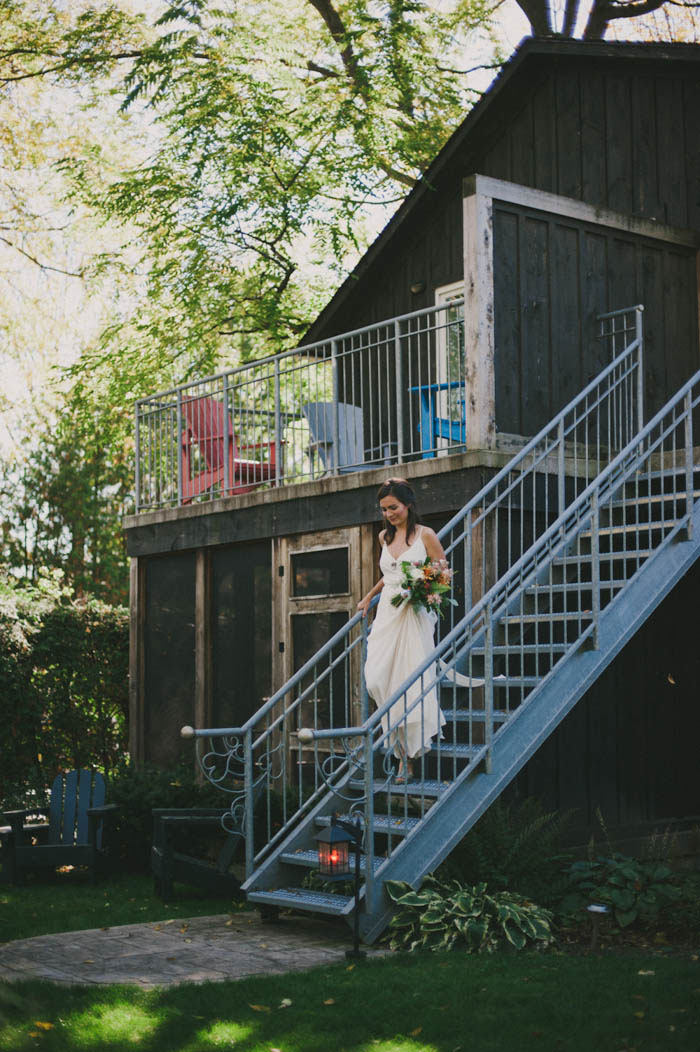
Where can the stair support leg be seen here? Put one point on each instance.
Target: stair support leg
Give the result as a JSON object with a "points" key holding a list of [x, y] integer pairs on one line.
{"points": [[688, 408], [369, 823], [488, 687], [595, 570]]}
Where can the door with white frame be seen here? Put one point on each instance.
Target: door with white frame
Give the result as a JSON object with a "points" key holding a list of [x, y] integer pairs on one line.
{"points": [[449, 398]]}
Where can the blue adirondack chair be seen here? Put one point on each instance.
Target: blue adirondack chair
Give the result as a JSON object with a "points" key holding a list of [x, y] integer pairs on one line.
{"points": [[71, 837]]}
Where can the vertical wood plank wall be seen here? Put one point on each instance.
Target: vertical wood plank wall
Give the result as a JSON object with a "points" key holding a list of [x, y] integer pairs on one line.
{"points": [[621, 135], [552, 276]]}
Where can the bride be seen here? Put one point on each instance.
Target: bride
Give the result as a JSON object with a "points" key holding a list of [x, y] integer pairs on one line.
{"points": [[401, 638]]}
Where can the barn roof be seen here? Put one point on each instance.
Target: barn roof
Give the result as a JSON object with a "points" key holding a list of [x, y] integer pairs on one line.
{"points": [[532, 59]]}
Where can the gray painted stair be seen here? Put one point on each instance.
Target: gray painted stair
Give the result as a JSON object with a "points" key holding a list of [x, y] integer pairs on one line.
{"points": [[422, 822]]}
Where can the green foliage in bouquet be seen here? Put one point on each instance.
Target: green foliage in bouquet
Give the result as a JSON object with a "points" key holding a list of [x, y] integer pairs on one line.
{"points": [[445, 915], [634, 890]]}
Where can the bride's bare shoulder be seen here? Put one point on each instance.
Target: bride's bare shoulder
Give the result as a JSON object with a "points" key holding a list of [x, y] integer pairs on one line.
{"points": [[382, 535]]}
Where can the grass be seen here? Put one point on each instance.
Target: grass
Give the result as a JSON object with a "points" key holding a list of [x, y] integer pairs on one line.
{"points": [[412, 1003], [69, 902]]}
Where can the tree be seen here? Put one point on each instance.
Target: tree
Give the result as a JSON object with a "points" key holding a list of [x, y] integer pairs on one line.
{"points": [[279, 127], [601, 14], [63, 500]]}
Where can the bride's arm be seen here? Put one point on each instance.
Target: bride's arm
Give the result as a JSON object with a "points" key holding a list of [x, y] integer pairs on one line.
{"points": [[434, 549], [363, 604]]}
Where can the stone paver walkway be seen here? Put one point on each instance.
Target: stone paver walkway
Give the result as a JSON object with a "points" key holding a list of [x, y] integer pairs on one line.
{"points": [[167, 952]]}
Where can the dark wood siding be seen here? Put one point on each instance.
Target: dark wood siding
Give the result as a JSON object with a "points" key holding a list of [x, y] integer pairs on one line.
{"points": [[617, 134], [609, 137], [629, 747], [552, 277]]}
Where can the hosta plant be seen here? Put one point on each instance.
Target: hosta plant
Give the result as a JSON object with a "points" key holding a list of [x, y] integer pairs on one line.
{"points": [[444, 915], [632, 889]]}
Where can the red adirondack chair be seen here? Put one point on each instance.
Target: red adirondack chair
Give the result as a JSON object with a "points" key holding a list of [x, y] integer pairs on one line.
{"points": [[205, 420]]}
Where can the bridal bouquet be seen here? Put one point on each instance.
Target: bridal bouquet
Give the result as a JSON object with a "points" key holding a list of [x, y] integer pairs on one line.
{"points": [[425, 584]]}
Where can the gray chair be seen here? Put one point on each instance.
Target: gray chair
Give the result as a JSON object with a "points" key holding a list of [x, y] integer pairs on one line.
{"points": [[351, 453]]}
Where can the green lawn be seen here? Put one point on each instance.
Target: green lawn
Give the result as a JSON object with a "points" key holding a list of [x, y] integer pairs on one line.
{"points": [[416, 1003], [69, 902]]}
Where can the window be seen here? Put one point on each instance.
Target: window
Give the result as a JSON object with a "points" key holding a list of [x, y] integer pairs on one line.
{"points": [[321, 572]]}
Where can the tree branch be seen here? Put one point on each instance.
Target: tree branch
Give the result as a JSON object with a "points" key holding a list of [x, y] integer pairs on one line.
{"points": [[337, 30], [604, 12], [42, 266], [570, 16], [538, 15]]}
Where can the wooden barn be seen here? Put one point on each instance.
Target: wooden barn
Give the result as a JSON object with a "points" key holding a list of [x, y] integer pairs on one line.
{"points": [[500, 293]]}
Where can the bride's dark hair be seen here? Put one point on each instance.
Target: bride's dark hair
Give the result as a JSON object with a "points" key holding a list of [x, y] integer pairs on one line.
{"points": [[400, 489]]}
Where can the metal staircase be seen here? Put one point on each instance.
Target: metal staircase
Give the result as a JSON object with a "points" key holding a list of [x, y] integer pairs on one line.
{"points": [[563, 555]]}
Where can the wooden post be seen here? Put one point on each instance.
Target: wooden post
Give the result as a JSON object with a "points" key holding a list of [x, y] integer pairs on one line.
{"points": [[202, 642], [136, 624], [479, 317]]}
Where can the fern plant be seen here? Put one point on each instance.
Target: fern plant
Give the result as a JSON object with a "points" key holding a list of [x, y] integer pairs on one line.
{"points": [[514, 846]]}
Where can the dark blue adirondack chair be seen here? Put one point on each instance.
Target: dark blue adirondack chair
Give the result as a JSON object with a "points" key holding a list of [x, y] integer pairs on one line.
{"points": [[71, 837]]}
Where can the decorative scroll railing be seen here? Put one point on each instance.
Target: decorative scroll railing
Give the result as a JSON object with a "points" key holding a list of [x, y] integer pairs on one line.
{"points": [[380, 395], [276, 776]]}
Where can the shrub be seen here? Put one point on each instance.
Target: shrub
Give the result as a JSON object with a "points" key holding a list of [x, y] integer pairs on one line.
{"points": [[514, 846], [683, 913], [633, 890], [63, 686], [443, 915], [137, 790]]}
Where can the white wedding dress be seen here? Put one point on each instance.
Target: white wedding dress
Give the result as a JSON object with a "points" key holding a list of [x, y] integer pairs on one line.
{"points": [[399, 641]]}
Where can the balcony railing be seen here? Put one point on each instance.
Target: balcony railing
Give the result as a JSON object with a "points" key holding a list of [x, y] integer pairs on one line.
{"points": [[381, 395]]}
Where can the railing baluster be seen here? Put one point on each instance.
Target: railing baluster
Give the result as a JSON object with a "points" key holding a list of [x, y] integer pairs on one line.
{"points": [[137, 457], [689, 482], [249, 803], [278, 425], [399, 392], [179, 440]]}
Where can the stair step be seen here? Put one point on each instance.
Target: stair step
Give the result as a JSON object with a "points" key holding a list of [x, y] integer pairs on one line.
{"points": [[526, 648], [678, 469], [575, 586], [651, 498], [396, 824], [631, 527], [427, 787], [478, 715], [461, 752], [576, 560], [579, 615], [309, 859], [303, 899]]}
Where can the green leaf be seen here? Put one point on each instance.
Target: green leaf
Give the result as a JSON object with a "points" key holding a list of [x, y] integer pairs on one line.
{"points": [[514, 936], [625, 917]]}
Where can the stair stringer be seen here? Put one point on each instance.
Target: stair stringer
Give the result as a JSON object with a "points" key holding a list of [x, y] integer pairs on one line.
{"points": [[453, 815]]}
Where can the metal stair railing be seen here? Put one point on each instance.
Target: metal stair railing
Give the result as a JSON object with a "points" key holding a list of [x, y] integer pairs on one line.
{"points": [[598, 552], [264, 759]]}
